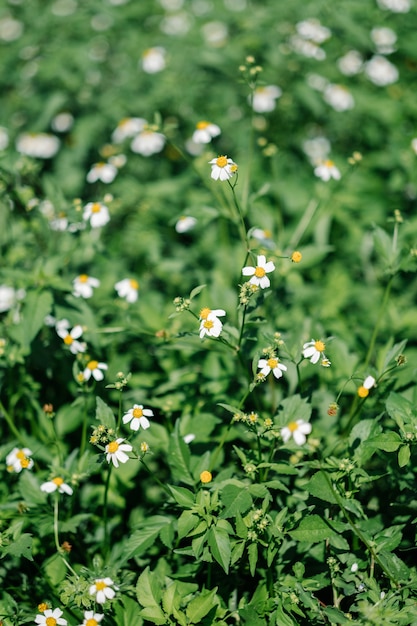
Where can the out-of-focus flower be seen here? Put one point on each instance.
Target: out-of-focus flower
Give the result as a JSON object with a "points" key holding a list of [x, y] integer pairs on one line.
{"points": [[297, 430], [351, 63], [327, 170], [222, 168], [414, 144], [106, 172], [368, 383], [272, 364], [210, 326], [10, 29], [384, 39], [9, 297], [259, 272], [138, 417], [84, 285], [94, 369], [51, 617], [96, 213], [307, 48], [148, 142], [19, 459], [38, 145], [128, 288], [4, 138], [71, 338], [264, 98], [62, 122], [312, 30], [339, 97], [205, 131], [116, 453], [314, 350], [103, 589], [381, 71], [215, 33], [56, 484], [185, 223], [128, 127], [296, 256], [396, 6], [177, 24], [153, 60], [317, 149], [91, 618]]}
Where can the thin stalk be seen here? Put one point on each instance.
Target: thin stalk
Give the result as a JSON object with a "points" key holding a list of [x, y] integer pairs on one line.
{"points": [[303, 224], [83, 441], [56, 536], [105, 510], [11, 424]]}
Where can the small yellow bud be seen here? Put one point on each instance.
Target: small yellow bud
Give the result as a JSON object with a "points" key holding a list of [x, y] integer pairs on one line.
{"points": [[206, 477]]}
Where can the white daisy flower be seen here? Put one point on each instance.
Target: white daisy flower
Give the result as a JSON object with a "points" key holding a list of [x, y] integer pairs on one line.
{"points": [[19, 459], [105, 172], [116, 453], [128, 288], [222, 168], [185, 223], [153, 60], [205, 131], [55, 484], [381, 71], [91, 618], [396, 6], [210, 326], [138, 417], [384, 39], [83, 286], [94, 369], [97, 213], [339, 97], [71, 338], [51, 618], [312, 30], [128, 127], [314, 350], [368, 383], [351, 63], [297, 430], [259, 273], [327, 170], [148, 142], [9, 297], [272, 365], [38, 145], [264, 98], [103, 589]]}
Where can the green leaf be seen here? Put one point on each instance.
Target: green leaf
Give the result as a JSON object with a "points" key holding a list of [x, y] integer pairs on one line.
{"points": [[194, 292], [312, 529], [253, 557], [148, 589], [36, 307], [127, 612], [388, 442], [104, 414], [154, 614], [182, 496], [219, 542], [396, 568], [201, 605], [400, 410], [335, 616], [293, 408], [145, 536], [179, 457], [320, 487], [21, 546], [404, 455], [236, 500], [187, 521]]}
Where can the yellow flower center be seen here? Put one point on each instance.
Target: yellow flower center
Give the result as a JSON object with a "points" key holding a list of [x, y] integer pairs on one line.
{"points": [[292, 427], [50, 621], [253, 417], [259, 272], [329, 163], [24, 463], [91, 622], [112, 448], [202, 125], [83, 278], [137, 412], [92, 365], [42, 607], [134, 283], [363, 392], [20, 454], [100, 584], [208, 324], [319, 346], [221, 161], [96, 208], [68, 340], [272, 363], [296, 256], [206, 476], [58, 481], [233, 168], [204, 313]]}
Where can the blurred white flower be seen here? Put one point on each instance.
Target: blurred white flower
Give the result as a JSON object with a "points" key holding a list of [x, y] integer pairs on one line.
{"points": [[177, 24], [205, 131], [307, 48], [96, 213], [106, 172], [94, 369], [116, 453], [56, 484], [138, 417], [71, 337], [10, 29], [222, 168], [264, 98], [84, 285], [384, 39], [148, 142], [262, 235], [259, 273], [91, 618], [128, 288], [185, 223], [62, 122], [414, 144], [314, 350], [313, 30], [51, 618], [153, 60], [338, 97], [128, 127], [368, 383], [102, 588], [297, 430], [317, 149], [327, 170], [351, 63], [38, 145], [9, 296], [381, 71], [396, 6], [215, 33], [4, 138], [19, 459]]}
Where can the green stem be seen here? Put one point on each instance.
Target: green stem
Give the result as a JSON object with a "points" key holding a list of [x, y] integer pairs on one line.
{"points": [[11, 424], [56, 536], [83, 441], [105, 510], [303, 224]]}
